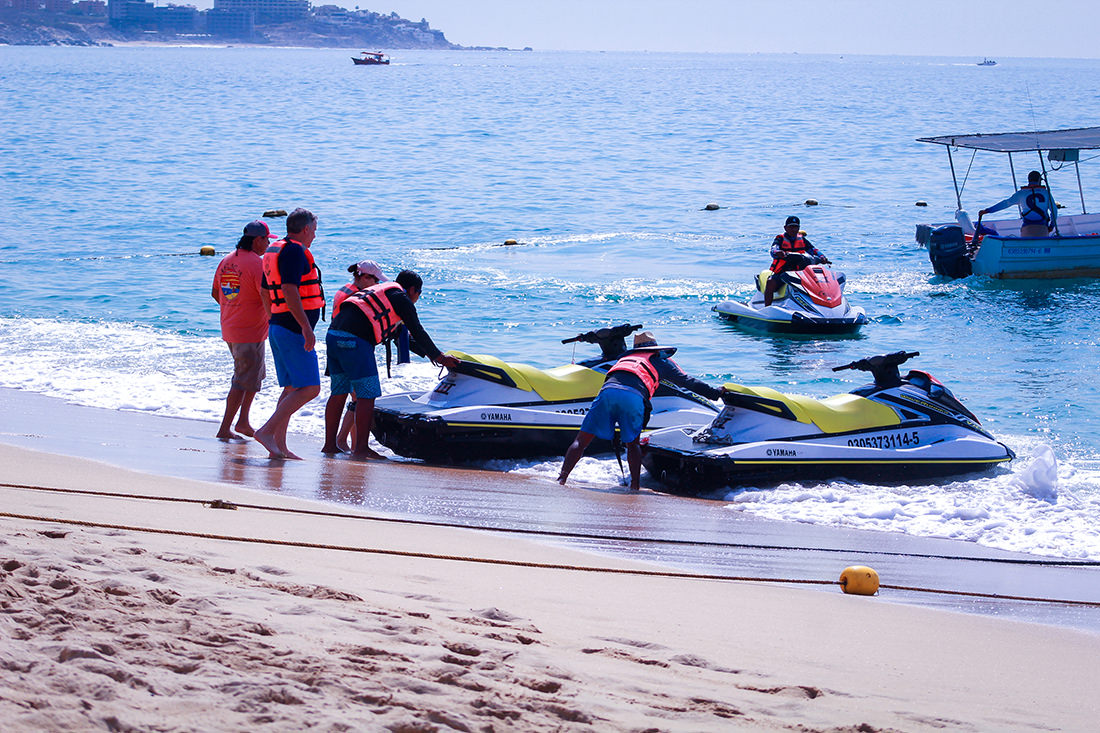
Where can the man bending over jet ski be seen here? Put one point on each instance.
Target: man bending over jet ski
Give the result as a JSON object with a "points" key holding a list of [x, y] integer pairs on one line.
{"points": [[367, 318], [790, 242], [624, 400]]}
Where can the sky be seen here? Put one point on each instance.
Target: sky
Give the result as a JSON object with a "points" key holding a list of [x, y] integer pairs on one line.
{"points": [[967, 28]]}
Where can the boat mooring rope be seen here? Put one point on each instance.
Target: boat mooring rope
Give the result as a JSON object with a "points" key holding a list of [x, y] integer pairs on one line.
{"points": [[520, 563]]}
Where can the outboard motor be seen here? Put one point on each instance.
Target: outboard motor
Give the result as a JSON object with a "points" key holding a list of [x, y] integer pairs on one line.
{"points": [[947, 251]]}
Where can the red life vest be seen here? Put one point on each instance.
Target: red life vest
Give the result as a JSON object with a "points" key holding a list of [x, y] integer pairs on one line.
{"points": [[309, 289], [641, 366], [798, 245], [377, 308], [341, 296]]}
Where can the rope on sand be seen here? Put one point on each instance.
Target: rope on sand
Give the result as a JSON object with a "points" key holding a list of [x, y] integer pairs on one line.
{"points": [[220, 504], [520, 563]]}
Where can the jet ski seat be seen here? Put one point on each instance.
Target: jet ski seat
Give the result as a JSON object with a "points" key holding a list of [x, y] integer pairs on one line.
{"points": [[762, 280], [837, 414], [560, 384]]}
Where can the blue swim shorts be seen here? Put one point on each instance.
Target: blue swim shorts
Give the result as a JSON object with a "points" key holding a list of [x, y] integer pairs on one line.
{"points": [[351, 365], [294, 366], [616, 405]]}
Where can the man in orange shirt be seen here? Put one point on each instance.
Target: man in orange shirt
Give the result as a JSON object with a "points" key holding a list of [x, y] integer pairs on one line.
{"points": [[238, 290]]}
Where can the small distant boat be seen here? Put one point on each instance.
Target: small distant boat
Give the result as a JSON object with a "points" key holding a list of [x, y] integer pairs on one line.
{"points": [[370, 58], [987, 62]]}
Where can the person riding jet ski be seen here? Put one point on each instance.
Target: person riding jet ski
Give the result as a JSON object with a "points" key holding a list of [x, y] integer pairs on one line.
{"points": [[791, 241], [624, 400]]}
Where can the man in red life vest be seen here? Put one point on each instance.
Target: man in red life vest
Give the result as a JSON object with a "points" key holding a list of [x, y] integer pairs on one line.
{"points": [[624, 400], [293, 285], [366, 319], [790, 251], [238, 290]]}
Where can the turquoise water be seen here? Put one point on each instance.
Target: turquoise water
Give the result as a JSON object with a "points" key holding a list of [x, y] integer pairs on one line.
{"points": [[117, 164]]}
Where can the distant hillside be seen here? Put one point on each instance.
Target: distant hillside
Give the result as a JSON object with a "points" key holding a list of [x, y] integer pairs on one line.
{"points": [[326, 26]]}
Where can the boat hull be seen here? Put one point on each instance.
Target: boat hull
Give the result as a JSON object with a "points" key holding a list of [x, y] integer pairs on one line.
{"points": [[1039, 257]]}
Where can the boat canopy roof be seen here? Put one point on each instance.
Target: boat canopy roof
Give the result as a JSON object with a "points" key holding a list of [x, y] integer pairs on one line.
{"points": [[1081, 138]]}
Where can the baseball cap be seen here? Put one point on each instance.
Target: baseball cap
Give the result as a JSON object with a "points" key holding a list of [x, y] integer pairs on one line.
{"points": [[792, 220], [368, 267], [258, 228]]}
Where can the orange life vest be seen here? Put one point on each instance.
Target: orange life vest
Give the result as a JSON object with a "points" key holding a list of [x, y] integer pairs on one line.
{"points": [[342, 295], [640, 366], [377, 308], [309, 289]]}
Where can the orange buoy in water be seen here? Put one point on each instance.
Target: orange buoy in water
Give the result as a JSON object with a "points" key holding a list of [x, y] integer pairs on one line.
{"points": [[811, 202], [859, 580], [509, 242], [206, 250]]}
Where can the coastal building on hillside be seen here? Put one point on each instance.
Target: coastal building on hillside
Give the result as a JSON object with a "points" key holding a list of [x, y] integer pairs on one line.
{"points": [[267, 11]]}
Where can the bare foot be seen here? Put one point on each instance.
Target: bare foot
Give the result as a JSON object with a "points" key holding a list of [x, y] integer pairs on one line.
{"points": [[227, 436], [561, 479], [332, 449], [344, 447], [291, 456], [367, 454], [245, 430], [267, 440]]}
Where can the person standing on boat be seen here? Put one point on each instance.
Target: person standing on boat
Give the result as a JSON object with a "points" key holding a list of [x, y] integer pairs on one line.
{"points": [[624, 400], [367, 318], [791, 241], [1038, 212], [293, 285], [238, 290]]}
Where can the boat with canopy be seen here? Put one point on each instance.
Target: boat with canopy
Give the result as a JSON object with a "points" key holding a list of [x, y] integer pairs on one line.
{"points": [[995, 248]]}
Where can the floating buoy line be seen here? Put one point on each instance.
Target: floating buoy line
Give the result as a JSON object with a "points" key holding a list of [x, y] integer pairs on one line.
{"points": [[856, 579]]}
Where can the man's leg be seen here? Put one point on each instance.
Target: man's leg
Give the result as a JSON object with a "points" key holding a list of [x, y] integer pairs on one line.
{"points": [[244, 427], [346, 424], [634, 462], [770, 287], [273, 433], [364, 417], [232, 404], [576, 450], [334, 410]]}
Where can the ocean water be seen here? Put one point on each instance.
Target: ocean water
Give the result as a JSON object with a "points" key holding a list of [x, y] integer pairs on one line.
{"points": [[118, 164]]}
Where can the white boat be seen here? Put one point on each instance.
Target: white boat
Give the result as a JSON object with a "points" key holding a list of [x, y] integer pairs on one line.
{"points": [[1072, 249]]}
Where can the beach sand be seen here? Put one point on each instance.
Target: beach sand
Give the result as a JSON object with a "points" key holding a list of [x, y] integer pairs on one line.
{"points": [[120, 629]]}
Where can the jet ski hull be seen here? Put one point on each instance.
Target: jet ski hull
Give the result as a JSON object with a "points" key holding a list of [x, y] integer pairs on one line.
{"points": [[486, 432], [688, 468], [775, 319]]}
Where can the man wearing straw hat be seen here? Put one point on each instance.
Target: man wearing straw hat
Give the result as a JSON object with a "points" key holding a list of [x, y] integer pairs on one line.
{"points": [[624, 401]]}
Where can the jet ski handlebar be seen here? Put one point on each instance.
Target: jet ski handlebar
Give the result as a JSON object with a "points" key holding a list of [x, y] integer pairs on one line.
{"points": [[884, 367]]}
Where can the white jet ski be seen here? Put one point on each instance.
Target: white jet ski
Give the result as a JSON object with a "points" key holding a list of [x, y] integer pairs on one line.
{"points": [[897, 429], [809, 300], [486, 408]]}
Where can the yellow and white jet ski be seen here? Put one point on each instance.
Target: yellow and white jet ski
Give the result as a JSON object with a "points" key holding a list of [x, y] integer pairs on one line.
{"points": [[897, 429], [486, 408]]}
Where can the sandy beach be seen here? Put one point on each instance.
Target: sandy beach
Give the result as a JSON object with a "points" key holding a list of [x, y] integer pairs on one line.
{"points": [[231, 619]]}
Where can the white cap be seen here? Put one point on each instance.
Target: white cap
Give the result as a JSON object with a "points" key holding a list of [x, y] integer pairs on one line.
{"points": [[368, 267]]}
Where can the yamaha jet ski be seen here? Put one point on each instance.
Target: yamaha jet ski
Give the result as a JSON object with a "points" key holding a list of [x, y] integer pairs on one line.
{"points": [[809, 300], [486, 408], [897, 429]]}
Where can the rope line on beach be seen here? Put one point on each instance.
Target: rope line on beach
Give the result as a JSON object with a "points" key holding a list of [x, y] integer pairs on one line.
{"points": [[561, 534], [526, 563]]}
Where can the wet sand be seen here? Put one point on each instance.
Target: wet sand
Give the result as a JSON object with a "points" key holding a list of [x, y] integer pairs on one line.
{"points": [[353, 623]]}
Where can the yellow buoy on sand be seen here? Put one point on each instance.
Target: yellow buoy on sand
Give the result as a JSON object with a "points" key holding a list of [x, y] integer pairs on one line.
{"points": [[859, 580], [206, 250]]}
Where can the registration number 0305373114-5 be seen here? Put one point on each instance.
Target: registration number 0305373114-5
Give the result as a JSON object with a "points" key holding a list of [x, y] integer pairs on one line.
{"points": [[907, 439]]}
